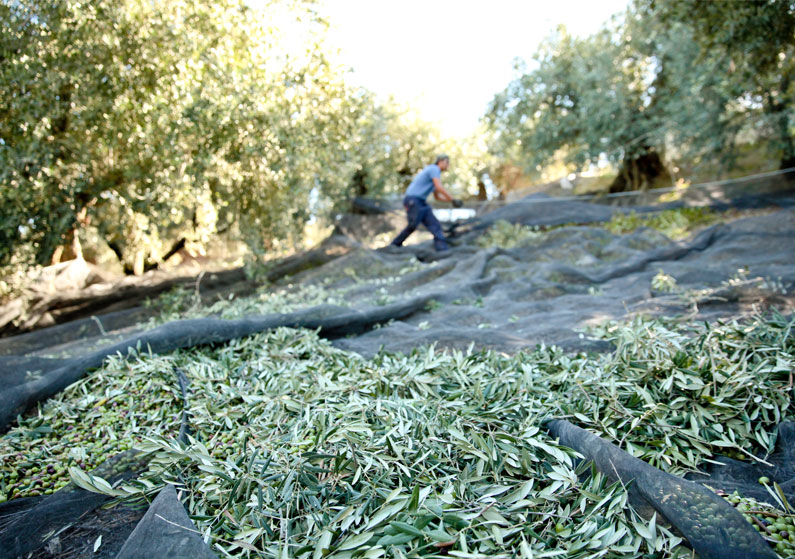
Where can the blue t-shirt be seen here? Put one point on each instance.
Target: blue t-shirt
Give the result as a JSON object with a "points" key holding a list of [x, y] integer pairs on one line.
{"points": [[422, 185]]}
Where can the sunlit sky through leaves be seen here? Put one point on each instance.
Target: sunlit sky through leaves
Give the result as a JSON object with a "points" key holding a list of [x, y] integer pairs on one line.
{"points": [[445, 58]]}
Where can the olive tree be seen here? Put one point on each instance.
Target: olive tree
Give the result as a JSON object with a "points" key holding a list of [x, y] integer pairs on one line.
{"points": [[592, 99], [160, 123], [750, 45], [685, 74]]}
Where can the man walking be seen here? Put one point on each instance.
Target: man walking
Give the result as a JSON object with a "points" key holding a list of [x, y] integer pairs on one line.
{"points": [[417, 209]]}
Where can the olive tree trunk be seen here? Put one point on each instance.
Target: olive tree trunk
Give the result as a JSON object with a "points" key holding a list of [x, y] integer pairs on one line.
{"points": [[641, 172]]}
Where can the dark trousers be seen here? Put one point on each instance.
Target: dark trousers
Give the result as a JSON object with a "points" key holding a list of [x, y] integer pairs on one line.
{"points": [[418, 211]]}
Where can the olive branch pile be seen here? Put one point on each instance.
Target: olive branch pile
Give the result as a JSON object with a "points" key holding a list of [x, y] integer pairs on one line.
{"points": [[299, 449]]}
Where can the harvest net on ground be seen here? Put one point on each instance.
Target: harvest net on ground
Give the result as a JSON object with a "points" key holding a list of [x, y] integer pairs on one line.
{"points": [[351, 437]]}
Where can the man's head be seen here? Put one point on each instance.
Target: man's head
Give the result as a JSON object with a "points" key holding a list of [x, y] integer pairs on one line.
{"points": [[443, 161]]}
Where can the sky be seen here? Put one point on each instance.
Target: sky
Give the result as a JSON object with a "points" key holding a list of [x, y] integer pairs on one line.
{"points": [[447, 59]]}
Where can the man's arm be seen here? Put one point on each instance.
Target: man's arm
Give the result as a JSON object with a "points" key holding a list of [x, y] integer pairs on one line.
{"points": [[439, 192]]}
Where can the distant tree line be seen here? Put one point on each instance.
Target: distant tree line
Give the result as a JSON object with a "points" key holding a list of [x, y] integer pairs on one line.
{"points": [[692, 74]]}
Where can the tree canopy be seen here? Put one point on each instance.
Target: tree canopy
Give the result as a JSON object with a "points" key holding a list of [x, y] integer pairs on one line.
{"points": [[682, 76], [752, 45], [159, 124], [153, 121]]}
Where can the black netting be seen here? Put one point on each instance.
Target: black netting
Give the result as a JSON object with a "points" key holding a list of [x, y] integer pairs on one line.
{"points": [[730, 475], [374, 206], [548, 287], [713, 528], [509, 297], [27, 525], [51, 525], [165, 531], [543, 211]]}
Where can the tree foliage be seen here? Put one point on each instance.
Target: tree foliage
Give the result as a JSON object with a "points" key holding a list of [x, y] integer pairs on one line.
{"points": [[752, 46], [590, 98], [157, 123], [687, 75], [391, 144]]}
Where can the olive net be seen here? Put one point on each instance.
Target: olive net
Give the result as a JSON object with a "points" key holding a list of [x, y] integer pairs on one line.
{"points": [[28, 380], [165, 531], [711, 525], [67, 522], [28, 524], [529, 273], [729, 475]]}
